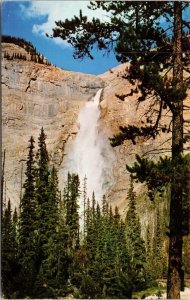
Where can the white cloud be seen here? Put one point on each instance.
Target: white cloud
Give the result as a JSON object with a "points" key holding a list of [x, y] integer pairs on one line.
{"points": [[54, 11]]}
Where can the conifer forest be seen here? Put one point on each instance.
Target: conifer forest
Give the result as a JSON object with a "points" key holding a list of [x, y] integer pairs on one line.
{"points": [[51, 250], [63, 241]]}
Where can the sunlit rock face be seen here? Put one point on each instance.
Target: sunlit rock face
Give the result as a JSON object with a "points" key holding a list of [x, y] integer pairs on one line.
{"points": [[115, 113], [36, 95]]}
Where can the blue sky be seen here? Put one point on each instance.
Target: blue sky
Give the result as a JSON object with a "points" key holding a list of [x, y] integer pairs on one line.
{"points": [[31, 20]]}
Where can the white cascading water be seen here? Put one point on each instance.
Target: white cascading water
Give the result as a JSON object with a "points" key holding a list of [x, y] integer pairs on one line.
{"points": [[91, 154]]}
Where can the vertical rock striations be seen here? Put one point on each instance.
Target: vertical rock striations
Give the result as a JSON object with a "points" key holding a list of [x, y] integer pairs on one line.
{"points": [[36, 95]]}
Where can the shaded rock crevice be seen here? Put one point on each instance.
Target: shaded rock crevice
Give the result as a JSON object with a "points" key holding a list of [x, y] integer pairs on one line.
{"points": [[29, 83]]}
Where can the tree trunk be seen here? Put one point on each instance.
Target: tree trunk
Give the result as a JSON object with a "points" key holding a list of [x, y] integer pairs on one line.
{"points": [[175, 226]]}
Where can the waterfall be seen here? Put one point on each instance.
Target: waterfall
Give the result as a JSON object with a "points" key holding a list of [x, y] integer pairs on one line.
{"points": [[91, 154]]}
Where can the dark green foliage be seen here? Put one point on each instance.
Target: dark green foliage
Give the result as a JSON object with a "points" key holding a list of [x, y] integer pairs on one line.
{"points": [[136, 245], [84, 203], [130, 30], [48, 258], [28, 226], [42, 170], [34, 55], [107, 264], [38, 251], [104, 206], [89, 288], [53, 234], [53, 202], [43, 235], [42, 196], [17, 41], [156, 175], [49, 239], [135, 32], [9, 265], [71, 195], [43, 255], [71, 224]]}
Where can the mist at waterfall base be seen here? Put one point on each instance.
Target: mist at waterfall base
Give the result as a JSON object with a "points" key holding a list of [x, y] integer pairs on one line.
{"points": [[91, 154]]}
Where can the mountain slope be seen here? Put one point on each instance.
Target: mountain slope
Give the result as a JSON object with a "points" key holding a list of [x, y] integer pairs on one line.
{"points": [[36, 95]]}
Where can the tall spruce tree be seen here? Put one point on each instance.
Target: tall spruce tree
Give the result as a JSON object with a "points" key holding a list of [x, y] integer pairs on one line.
{"points": [[107, 265], [135, 242], [93, 206], [48, 283], [42, 182], [70, 200], [71, 196], [15, 232], [9, 254], [53, 201], [135, 32], [28, 227], [84, 204]]}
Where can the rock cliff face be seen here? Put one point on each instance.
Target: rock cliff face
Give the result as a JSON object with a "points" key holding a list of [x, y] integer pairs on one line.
{"points": [[115, 113], [36, 95]]}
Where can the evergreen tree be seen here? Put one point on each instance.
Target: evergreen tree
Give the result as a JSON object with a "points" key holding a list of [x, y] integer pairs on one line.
{"points": [[115, 274], [52, 235], [104, 206], [28, 227], [107, 266], [93, 206], [64, 258], [71, 197], [135, 31], [88, 215], [84, 203], [9, 254], [42, 183], [135, 243], [116, 215], [15, 231], [110, 215], [47, 282], [53, 202]]}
